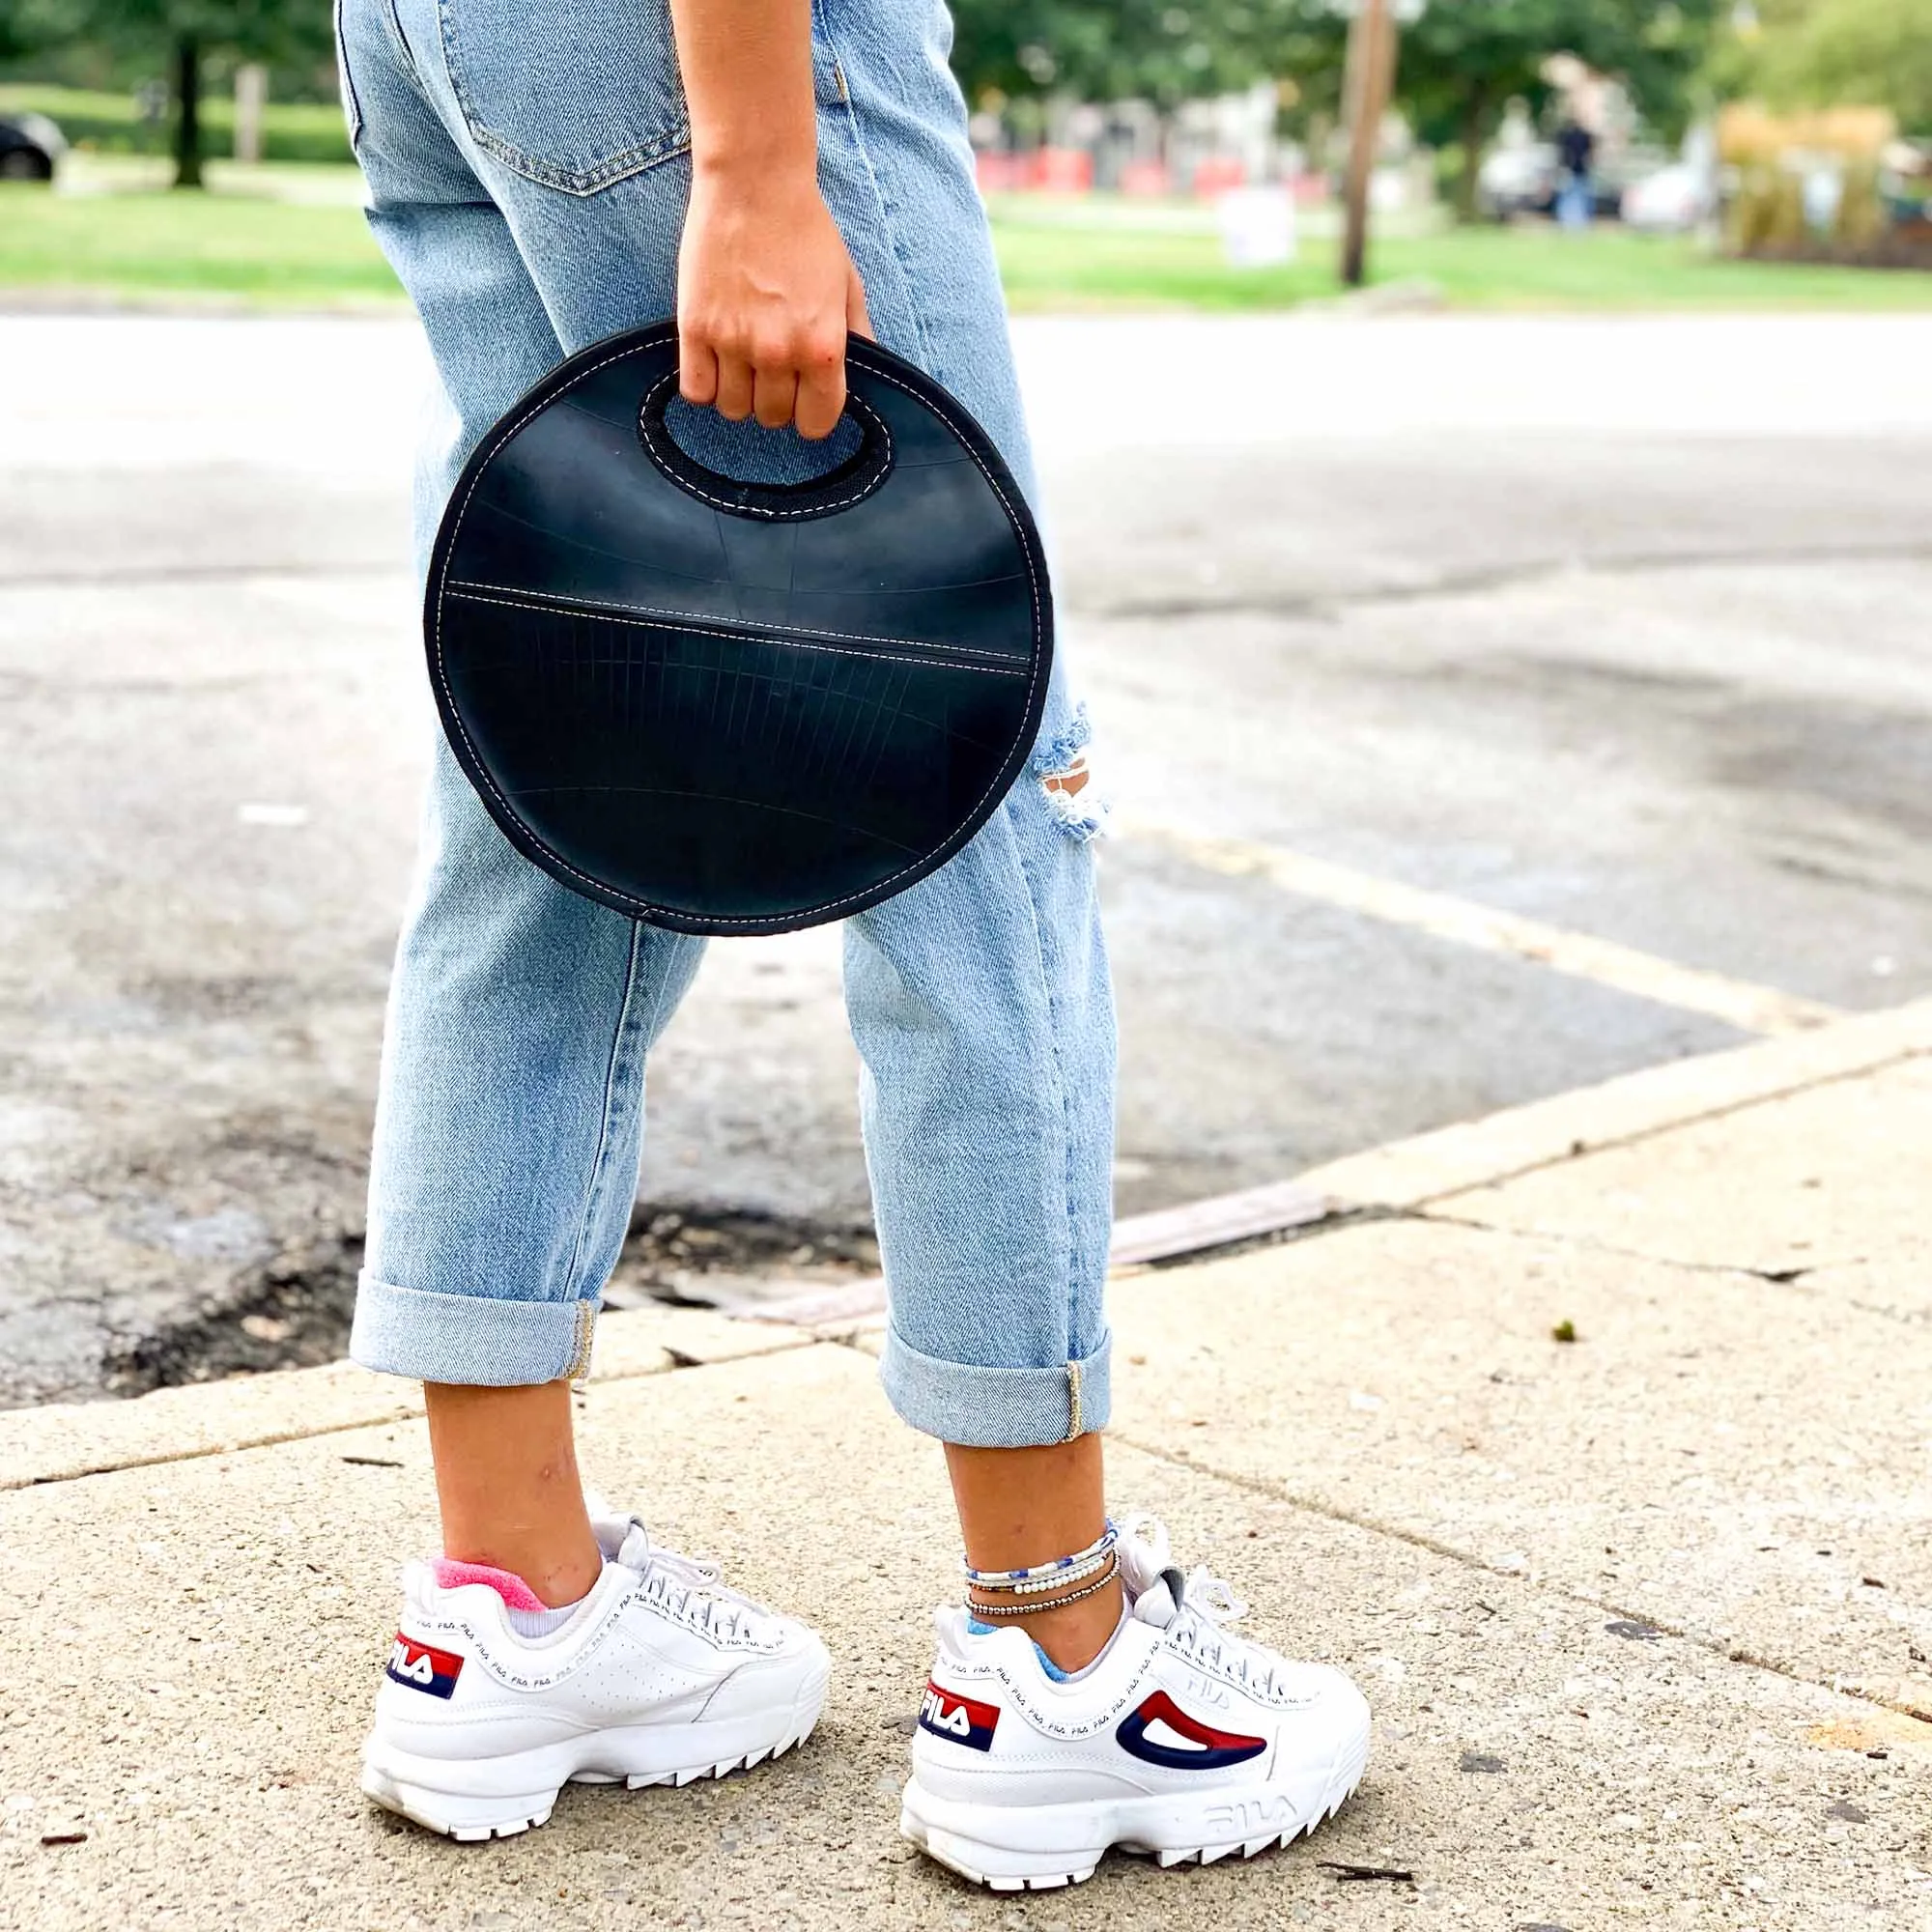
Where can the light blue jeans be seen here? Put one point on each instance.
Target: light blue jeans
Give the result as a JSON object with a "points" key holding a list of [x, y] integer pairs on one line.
{"points": [[528, 164]]}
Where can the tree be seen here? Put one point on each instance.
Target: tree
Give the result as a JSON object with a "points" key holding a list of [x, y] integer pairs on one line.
{"points": [[1460, 62], [1821, 53], [187, 31], [30, 26], [1160, 50], [1463, 59]]}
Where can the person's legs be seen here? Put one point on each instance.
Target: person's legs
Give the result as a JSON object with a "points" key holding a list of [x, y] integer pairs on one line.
{"points": [[542, 1645], [507, 1481], [979, 1000], [529, 222], [1020, 1507]]}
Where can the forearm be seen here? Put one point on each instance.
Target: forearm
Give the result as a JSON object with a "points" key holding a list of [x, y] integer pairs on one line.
{"points": [[746, 68]]}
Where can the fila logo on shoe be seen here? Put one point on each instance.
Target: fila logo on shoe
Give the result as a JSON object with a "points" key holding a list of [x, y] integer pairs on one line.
{"points": [[947, 1714], [1160, 1732], [423, 1668]]}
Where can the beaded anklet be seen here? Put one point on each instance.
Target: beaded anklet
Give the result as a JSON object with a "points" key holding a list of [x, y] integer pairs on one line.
{"points": [[1031, 1609], [1046, 1575]]}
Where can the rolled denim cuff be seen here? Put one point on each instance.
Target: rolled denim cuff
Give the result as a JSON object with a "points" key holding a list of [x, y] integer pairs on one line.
{"points": [[471, 1339], [996, 1409]]}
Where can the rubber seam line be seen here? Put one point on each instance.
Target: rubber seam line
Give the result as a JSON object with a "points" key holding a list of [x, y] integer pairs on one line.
{"points": [[504, 433], [572, 603], [1462, 1559], [733, 637]]}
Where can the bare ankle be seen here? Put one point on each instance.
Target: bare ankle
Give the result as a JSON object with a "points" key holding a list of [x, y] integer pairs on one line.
{"points": [[560, 1572], [507, 1482], [1076, 1634]]}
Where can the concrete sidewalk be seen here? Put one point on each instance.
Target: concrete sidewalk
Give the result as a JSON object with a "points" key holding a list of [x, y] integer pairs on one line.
{"points": [[1645, 1616]]}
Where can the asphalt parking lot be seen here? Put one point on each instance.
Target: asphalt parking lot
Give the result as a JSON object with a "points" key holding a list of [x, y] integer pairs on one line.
{"points": [[1489, 705]]}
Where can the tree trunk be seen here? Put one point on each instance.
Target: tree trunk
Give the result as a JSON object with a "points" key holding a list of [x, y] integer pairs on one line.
{"points": [[1475, 125], [188, 112]]}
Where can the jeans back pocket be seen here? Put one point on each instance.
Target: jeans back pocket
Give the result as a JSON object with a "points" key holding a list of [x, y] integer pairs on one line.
{"points": [[574, 95]]}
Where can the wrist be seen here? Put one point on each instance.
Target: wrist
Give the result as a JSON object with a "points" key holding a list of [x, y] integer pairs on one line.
{"points": [[755, 157]]}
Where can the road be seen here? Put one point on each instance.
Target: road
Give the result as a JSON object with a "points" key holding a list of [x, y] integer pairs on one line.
{"points": [[1489, 705]]}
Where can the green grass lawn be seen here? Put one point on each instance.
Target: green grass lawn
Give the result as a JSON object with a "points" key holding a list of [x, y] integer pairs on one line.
{"points": [[1047, 263], [190, 246], [110, 123], [313, 249]]}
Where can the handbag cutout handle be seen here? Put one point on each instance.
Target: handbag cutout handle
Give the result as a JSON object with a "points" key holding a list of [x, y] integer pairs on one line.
{"points": [[846, 483]]}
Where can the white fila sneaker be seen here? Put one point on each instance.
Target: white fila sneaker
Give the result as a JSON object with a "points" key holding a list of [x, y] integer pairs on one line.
{"points": [[1182, 1740], [659, 1676]]}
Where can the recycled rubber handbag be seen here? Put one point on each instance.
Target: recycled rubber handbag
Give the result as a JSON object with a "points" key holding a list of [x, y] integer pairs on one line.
{"points": [[735, 707]]}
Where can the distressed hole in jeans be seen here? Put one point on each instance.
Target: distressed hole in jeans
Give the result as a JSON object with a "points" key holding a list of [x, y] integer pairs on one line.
{"points": [[1066, 781]]}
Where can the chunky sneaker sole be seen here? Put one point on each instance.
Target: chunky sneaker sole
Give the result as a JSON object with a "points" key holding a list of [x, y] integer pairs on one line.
{"points": [[1182, 1741], [1040, 1847], [498, 1797], [491, 1704]]}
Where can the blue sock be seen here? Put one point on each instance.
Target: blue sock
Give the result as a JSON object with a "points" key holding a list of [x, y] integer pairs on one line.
{"points": [[976, 1628]]}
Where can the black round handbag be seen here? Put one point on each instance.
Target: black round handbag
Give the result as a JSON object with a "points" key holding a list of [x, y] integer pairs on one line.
{"points": [[732, 707]]}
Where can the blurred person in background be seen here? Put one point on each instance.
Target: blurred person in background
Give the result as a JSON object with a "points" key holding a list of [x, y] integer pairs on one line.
{"points": [[1576, 191]]}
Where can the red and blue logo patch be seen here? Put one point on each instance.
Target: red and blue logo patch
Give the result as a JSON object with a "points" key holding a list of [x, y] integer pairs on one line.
{"points": [[945, 1714], [1160, 1732], [423, 1668]]}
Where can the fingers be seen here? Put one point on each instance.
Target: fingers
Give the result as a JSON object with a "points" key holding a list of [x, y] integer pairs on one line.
{"points": [[697, 369], [775, 393], [798, 379], [821, 387], [737, 386], [857, 321]]}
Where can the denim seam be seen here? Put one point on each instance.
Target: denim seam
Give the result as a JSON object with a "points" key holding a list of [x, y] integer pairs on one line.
{"points": [[1060, 1092], [581, 182], [351, 102], [887, 225], [941, 1396], [394, 20], [611, 1075]]}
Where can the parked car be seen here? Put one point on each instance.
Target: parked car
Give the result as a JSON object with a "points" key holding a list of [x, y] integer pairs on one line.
{"points": [[1524, 179], [30, 146], [1672, 200], [1518, 180]]}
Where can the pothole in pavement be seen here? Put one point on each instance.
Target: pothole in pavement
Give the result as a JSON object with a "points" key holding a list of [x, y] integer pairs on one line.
{"points": [[295, 1313]]}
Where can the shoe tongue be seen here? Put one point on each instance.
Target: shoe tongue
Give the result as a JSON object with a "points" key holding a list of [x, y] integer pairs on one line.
{"points": [[1158, 1603], [626, 1544]]}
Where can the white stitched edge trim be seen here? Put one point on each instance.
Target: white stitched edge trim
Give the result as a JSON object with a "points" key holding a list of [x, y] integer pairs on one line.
{"points": [[597, 886], [753, 509]]}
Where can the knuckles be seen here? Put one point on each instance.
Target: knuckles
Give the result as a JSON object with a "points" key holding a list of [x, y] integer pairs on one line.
{"points": [[763, 348]]}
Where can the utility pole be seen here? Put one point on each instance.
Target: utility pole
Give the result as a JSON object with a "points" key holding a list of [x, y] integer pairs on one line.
{"points": [[1365, 89]]}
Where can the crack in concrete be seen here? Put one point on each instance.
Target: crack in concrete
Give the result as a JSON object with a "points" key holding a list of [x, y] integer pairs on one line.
{"points": [[1578, 1148], [407, 1409], [1793, 1278], [1730, 1652]]}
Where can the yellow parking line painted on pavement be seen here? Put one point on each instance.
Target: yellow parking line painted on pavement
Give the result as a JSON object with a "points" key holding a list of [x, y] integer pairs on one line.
{"points": [[1759, 1009]]}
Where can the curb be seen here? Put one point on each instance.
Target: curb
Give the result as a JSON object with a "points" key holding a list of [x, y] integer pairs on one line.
{"points": [[66, 1440]]}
